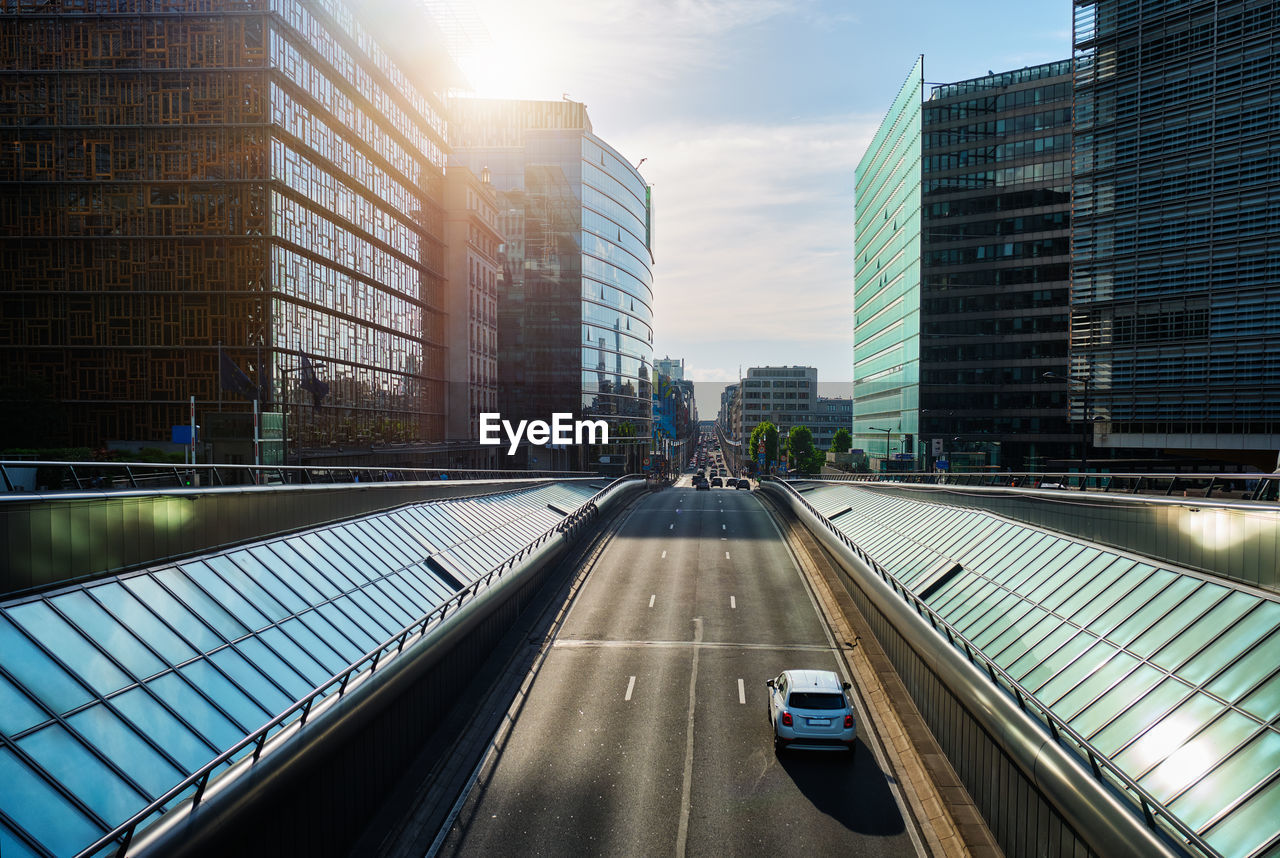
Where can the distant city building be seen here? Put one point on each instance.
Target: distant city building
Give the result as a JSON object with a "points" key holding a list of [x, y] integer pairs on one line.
{"points": [[575, 294], [185, 184], [472, 240], [830, 415], [785, 396], [673, 367], [1176, 231]]}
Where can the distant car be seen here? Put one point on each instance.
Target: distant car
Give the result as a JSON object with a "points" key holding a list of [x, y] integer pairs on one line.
{"points": [[810, 710], [716, 482], [702, 485], [744, 484]]}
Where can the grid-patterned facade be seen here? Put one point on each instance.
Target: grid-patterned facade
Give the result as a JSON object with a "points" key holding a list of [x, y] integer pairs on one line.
{"points": [[575, 309], [1176, 222], [473, 239], [996, 266], [258, 176], [886, 300], [786, 396]]}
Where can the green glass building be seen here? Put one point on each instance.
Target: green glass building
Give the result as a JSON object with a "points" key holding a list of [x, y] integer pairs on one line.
{"points": [[886, 323]]}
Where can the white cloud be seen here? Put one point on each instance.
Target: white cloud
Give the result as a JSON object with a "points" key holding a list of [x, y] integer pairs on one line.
{"points": [[753, 223], [582, 47]]}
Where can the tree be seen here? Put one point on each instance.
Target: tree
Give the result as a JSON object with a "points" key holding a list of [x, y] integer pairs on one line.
{"points": [[769, 432], [842, 441], [804, 456]]}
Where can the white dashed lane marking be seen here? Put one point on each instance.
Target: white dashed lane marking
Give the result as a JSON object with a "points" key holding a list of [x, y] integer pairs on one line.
{"points": [[631, 686]]}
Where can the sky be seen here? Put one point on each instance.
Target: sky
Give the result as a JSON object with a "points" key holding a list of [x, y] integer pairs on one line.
{"points": [[751, 116]]}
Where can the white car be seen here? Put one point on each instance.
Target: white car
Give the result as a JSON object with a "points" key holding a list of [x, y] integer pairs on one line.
{"points": [[810, 709]]}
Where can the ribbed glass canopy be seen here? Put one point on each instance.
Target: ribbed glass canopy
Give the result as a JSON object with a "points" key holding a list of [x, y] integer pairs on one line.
{"points": [[1172, 676], [113, 692]]}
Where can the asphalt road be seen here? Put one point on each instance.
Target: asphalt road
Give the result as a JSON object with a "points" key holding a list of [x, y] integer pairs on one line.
{"points": [[645, 729]]}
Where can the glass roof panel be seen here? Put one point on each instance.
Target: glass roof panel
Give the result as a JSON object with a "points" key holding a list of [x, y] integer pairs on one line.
{"points": [[110, 734], [17, 711], [70, 646], [1141, 714], [1264, 701], [1197, 755], [65, 758], [99, 626], [1249, 826], [1170, 733], [1224, 615], [1235, 777], [1122, 680], [1148, 614], [37, 673], [32, 803]]}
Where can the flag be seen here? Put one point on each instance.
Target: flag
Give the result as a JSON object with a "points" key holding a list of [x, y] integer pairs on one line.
{"points": [[233, 378], [312, 383]]}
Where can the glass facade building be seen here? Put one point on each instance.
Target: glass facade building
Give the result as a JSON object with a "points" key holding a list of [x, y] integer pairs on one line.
{"points": [[886, 299], [575, 297], [182, 180], [996, 268], [1176, 224]]}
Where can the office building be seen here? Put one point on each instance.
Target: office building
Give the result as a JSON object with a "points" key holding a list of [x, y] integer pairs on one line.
{"points": [[1176, 227], [472, 240], [673, 368], [786, 396], [995, 270], [886, 324], [830, 415], [962, 274], [575, 293], [182, 184]]}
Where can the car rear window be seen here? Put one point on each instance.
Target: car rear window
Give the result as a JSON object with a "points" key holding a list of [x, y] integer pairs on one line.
{"points": [[816, 700]]}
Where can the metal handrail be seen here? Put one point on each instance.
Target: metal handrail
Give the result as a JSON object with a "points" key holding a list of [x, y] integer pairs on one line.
{"points": [[372, 659], [1265, 486], [79, 476], [1153, 811]]}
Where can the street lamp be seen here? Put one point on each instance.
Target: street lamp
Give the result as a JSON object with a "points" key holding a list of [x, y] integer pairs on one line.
{"points": [[1086, 382], [887, 433]]}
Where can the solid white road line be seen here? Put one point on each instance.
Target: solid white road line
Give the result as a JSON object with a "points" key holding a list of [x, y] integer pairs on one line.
{"points": [[631, 686], [651, 598], [733, 602], [686, 787], [742, 693]]}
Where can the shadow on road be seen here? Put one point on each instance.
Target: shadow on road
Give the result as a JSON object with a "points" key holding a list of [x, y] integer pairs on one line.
{"points": [[853, 792]]}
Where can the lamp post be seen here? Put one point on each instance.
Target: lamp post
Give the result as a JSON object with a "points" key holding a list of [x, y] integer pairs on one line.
{"points": [[887, 433], [1086, 382]]}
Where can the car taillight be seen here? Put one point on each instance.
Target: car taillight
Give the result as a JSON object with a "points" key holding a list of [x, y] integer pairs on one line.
{"points": [[786, 719], [848, 721]]}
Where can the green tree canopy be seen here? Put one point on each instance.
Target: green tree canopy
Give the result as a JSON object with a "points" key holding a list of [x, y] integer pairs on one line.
{"points": [[802, 453], [842, 441], [770, 434]]}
